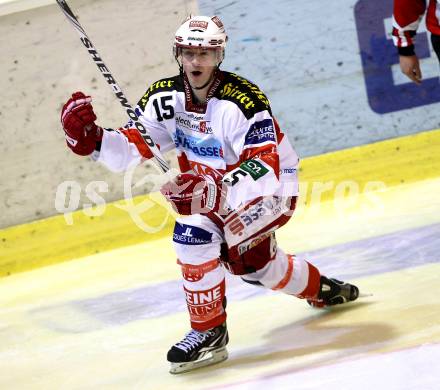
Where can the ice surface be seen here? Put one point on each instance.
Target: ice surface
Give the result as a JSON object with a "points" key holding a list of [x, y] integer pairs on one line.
{"points": [[107, 321]]}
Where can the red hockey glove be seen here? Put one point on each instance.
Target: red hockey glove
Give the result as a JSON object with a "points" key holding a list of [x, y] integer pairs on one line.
{"points": [[193, 194], [78, 120]]}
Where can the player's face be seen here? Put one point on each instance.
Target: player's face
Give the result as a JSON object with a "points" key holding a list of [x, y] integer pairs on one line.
{"points": [[199, 64]]}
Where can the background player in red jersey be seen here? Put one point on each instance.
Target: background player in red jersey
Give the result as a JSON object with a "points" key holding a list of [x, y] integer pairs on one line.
{"points": [[406, 19]]}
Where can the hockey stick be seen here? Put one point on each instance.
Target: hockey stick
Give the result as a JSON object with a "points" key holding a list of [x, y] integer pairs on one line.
{"points": [[114, 86]]}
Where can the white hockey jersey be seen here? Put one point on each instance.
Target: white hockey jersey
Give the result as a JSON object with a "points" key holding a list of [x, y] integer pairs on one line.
{"points": [[232, 137]]}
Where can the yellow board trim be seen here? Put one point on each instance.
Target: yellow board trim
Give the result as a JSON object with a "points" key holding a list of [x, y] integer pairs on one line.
{"points": [[52, 240]]}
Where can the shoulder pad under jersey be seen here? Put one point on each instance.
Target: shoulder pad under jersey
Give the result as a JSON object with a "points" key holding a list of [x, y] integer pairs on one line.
{"points": [[167, 84], [245, 94]]}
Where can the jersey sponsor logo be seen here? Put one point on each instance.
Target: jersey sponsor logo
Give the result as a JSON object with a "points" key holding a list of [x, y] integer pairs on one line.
{"points": [[204, 147], [260, 132], [191, 235], [246, 96], [236, 227], [254, 168], [193, 122], [203, 297], [248, 245], [206, 304], [287, 171], [256, 91], [231, 90], [203, 128], [155, 87], [266, 206]]}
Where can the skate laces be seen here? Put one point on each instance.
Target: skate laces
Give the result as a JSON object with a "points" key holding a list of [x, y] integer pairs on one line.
{"points": [[192, 339]]}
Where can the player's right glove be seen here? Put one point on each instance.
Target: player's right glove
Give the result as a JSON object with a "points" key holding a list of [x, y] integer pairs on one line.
{"points": [[78, 120], [194, 194]]}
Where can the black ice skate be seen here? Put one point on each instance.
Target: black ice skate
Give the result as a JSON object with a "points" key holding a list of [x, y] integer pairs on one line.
{"points": [[199, 349], [334, 292]]}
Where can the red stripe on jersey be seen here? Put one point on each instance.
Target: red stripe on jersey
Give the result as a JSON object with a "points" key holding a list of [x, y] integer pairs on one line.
{"points": [[134, 137], [184, 163], [280, 134], [313, 284], [288, 275]]}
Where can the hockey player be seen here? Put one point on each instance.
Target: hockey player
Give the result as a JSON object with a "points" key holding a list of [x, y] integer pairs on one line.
{"points": [[406, 19], [238, 184]]}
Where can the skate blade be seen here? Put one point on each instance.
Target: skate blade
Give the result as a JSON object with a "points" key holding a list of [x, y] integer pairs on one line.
{"points": [[213, 357]]}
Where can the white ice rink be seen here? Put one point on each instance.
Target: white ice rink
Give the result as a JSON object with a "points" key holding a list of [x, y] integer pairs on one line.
{"points": [[107, 321]]}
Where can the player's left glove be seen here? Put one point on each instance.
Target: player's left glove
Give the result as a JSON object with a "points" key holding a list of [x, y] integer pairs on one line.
{"points": [[78, 120], [194, 194]]}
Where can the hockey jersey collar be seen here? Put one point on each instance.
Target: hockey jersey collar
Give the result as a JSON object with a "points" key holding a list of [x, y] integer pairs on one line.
{"points": [[200, 108]]}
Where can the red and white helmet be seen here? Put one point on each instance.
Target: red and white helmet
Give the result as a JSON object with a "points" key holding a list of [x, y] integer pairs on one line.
{"points": [[201, 31]]}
